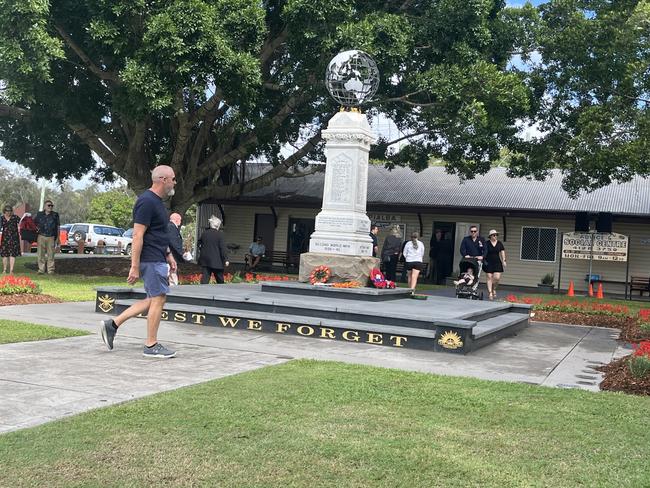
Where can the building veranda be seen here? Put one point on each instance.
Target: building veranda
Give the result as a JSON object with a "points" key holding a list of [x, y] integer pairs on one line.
{"points": [[530, 216]]}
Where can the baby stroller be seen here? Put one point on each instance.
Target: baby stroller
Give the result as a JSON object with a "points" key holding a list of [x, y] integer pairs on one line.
{"points": [[464, 290]]}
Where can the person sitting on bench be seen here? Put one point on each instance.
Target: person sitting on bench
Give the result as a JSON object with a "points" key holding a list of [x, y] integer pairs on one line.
{"points": [[256, 252]]}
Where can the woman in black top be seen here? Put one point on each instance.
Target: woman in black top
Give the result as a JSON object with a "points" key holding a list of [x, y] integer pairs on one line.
{"points": [[10, 246], [390, 251], [494, 263]]}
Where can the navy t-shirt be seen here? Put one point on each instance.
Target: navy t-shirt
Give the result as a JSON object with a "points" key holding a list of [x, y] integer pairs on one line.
{"points": [[149, 210]]}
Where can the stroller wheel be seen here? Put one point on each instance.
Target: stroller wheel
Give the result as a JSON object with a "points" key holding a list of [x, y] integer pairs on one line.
{"points": [[481, 296]]}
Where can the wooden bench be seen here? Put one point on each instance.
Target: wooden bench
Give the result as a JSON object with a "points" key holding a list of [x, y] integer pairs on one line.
{"points": [[640, 284], [273, 258]]}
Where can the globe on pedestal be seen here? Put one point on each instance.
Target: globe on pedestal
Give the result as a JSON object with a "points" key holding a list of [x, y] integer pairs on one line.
{"points": [[352, 78]]}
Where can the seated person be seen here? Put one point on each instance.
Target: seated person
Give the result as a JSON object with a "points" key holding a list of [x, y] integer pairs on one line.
{"points": [[256, 252], [466, 278]]}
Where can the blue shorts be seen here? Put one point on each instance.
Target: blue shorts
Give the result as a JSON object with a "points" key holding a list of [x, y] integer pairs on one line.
{"points": [[156, 278]]}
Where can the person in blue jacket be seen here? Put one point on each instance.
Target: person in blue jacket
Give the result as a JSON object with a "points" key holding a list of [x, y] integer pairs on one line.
{"points": [[473, 245]]}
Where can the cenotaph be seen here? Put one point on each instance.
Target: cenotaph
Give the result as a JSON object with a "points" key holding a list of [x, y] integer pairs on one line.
{"points": [[341, 239]]}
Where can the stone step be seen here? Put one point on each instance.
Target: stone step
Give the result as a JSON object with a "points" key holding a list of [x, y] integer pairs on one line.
{"points": [[438, 324]]}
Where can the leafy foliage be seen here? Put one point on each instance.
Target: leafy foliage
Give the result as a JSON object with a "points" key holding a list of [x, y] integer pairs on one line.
{"points": [[207, 85], [210, 85], [114, 207]]}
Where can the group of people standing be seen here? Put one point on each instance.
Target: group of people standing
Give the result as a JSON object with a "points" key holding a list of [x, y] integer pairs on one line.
{"points": [[18, 234], [394, 250], [490, 255]]}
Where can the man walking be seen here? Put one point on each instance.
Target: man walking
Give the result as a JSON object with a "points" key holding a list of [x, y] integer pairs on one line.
{"points": [[473, 245], [175, 244], [47, 223], [152, 259]]}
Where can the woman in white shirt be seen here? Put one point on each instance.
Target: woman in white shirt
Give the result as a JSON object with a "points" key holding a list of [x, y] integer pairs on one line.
{"points": [[413, 254]]}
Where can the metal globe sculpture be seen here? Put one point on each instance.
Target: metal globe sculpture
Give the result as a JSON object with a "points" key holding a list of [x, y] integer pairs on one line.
{"points": [[352, 78]]}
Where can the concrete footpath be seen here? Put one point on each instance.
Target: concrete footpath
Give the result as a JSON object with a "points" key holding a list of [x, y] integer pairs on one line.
{"points": [[47, 380]]}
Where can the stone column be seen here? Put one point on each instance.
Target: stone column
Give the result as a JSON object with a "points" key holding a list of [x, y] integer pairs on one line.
{"points": [[341, 237]]}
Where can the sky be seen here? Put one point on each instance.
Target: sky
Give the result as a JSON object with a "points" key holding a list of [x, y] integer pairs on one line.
{"points": [[19, 169]]}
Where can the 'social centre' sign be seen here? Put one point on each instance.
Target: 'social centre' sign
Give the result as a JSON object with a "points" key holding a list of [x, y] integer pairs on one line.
{"points": [[607, 246]]}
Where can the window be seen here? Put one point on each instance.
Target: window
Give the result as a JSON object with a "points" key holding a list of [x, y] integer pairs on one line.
{"points": [[538, 244]]}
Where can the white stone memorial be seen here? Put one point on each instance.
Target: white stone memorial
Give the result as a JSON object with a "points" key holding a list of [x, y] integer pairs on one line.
{"points": [[341, 239], [342, 227]]}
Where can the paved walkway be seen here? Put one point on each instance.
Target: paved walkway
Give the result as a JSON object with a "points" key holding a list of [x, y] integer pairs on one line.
{"points": [[47, 380]]}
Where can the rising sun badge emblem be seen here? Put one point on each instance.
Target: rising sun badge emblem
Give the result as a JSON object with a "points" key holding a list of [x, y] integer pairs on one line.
{"points": [[450, 340], [106, 303]]}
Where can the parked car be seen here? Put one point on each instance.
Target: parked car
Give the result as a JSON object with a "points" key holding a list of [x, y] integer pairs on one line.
{"points": [[92, 234], [63, 239]]}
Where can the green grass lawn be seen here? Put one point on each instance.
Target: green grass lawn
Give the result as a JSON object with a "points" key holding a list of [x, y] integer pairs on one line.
{"points": [[69, 288], [14, 331], [313, 424]]}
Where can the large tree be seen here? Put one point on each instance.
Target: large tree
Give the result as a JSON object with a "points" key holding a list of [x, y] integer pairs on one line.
{"points": [[206, 85], [592, 85]]}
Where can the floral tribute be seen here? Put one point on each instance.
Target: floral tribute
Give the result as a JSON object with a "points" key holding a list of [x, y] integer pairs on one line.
{"points": [[10, 285], [320, 274], [378, 279], [639, 362], [347, 284]]}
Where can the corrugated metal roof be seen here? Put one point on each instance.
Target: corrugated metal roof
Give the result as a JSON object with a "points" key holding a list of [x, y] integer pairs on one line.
{"points": [[433, 187]]}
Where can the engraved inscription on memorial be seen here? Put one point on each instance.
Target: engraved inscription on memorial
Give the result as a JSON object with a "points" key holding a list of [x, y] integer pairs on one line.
{"points": [[341, 180], [362, 185], [332, 222]]}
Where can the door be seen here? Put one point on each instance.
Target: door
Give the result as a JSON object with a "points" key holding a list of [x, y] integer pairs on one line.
{"points": [[442, 249], [265, 228], [300, 231]]}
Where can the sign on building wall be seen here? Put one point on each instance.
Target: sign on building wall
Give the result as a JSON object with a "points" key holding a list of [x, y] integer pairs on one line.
{"points": [[606, 246]]}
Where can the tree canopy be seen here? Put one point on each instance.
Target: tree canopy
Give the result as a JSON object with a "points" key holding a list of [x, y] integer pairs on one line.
{"points": [[209, 85]]}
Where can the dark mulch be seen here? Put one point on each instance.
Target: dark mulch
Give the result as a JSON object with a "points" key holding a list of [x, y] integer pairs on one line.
{"points": [[619, 378], [630, 330], [26, 299]]}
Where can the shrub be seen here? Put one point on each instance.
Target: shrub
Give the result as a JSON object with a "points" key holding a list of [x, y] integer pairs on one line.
{"points": [[548, 279], [639, 363], [10, 285]]}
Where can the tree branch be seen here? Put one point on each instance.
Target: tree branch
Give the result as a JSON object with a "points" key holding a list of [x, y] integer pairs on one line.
{"points": [[104, 75], [208, 107], [271, 45], [282, 168], [14, 112], [217, 160], [95, 143], [184, 129], [394, 141]]}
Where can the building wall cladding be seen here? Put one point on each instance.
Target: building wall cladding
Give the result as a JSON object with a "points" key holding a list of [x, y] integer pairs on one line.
{"points": [[239, 229]]}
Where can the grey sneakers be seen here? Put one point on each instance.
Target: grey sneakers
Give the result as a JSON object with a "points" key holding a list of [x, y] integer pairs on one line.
{"points": [[108, 333], [158, 351]]}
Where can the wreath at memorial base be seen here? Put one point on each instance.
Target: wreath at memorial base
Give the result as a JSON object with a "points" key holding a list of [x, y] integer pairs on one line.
{"points": [[320, 274], [379, 281]]}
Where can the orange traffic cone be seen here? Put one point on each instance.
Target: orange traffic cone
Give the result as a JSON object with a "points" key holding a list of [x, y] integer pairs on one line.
{"points": [[599, 294], [591, 290], [570, 293]]}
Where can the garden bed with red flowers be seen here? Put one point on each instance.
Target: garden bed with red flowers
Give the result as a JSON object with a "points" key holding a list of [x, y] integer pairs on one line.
{"points": [[21, 290]]}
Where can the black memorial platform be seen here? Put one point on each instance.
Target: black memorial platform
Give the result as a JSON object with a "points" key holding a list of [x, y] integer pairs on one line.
{"points": [[362, 315]]}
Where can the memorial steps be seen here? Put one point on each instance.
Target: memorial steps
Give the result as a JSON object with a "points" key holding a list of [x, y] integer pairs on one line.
{"points": [[363, 315]]}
